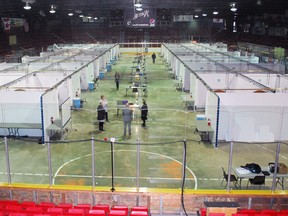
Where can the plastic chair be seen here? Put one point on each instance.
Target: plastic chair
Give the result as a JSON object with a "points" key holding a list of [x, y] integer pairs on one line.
{"points": [[55, 211], [249, 212], [233, 178], [139, 213], [121, 207], [46, 205], [65, 206], [140, 208], [117, 213], [85, 207], [30, 211], [98, 212], [269, 212], [27, 204], [257, 180], [17, 214], [104, 207], [216, 214], [76, 212]]}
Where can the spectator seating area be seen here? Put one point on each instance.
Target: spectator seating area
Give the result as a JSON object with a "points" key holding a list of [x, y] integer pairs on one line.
{"points": [[28, 208], [249, 212]]}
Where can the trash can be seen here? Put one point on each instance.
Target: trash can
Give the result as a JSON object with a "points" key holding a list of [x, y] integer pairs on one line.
{"points": [[108, 67], [76, 103], [101, 75], [91, 86]]}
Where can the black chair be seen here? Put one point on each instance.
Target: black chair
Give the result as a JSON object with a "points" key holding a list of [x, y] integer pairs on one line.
{"points": [[257, 180], [233, 178]]}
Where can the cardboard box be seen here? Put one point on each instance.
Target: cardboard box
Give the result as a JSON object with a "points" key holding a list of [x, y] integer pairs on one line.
{"points": [[282, 168]]}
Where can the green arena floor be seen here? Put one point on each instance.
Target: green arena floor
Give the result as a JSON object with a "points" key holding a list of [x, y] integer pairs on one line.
{"points": [[161, 149]]}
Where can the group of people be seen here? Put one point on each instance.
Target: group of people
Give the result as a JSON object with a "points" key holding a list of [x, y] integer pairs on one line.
{"points": [[127, 114]]}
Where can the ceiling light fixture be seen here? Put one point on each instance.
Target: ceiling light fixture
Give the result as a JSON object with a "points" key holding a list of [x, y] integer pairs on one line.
{"points": [[52, 9], [137, 3], [70, 14], [95, 18], [27, 6], [215, 12], [204, 14], [81, 15], [196, 16], [233, 8], [139, 8]]}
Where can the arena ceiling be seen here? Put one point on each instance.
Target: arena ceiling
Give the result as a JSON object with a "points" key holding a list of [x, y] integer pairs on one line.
{"points": [[103, 8]]}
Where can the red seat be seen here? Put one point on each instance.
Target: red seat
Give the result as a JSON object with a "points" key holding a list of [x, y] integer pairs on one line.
{"points": [[139, 213], [139, 208], [203, 211], [117, 213], [65, 206], [41, 215], [76, 212], [12, 208], [121, 207], [27, 204], [85, 207], [216, 214], [104, 207], [98, 212], [269, 212], [239, 214], [30, 211], [46, 205], [284, 211], [18, 214], [55, 211], [249, 212]]}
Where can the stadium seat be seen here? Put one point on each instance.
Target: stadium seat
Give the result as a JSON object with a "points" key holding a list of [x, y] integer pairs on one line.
{"points": [[98, 212], [75, 212], [117, 213], [27, 204], [121, 207], [139, 213], [269, 212], [249, 212], [85, 207], [46, 205], [18, 214], [65, 206], [104, 207], [55, 211], [216, 214], [140, 208]]}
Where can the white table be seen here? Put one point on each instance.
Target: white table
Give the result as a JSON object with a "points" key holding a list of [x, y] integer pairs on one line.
{"points": [[205, 131], [242, 173]]}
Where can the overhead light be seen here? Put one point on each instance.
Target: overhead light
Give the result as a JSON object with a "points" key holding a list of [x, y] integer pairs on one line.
{"points": [[89, 17], [204, 14], [196, 16], [70, 14], [95, 18], [138, 3], [81, 15], [233, 8], [52, 9], [27, 6], [215, 12], [139, 8]]}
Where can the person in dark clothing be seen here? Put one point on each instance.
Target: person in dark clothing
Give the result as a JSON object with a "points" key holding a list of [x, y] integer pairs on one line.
{"points": [[127, 115], [117, 80], [101, 116], [144, 113], [153, 57]]}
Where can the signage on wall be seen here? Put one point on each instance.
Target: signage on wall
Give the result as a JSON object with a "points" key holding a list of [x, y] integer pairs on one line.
{"points": [[144, 18]]}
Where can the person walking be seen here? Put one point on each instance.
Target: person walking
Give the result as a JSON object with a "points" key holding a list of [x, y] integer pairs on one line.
{"points": [[153, 57], [127, 115], [101, 116], [104, 102], [144, 112], [117, 80]]}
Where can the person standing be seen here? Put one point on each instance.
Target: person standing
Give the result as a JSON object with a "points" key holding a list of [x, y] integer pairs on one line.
{"points": [[104, 102], [153, 57], [117, 80], [144, 112], [127, 115], [101, 116]]}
